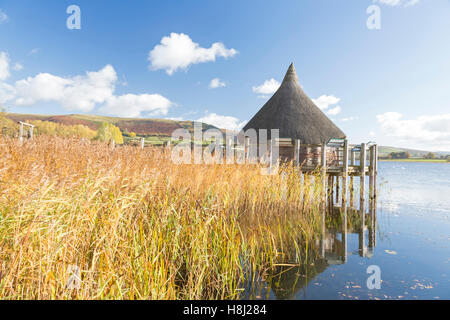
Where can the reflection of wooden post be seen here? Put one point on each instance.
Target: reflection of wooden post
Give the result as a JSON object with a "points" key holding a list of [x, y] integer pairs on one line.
{"points": [[344, 239], [372, 227], [361, 240], [345, 176], [297, 152]]}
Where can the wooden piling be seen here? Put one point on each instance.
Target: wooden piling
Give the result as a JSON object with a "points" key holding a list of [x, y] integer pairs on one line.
{"points": [[352, 180], [337, 189], [297, 152], [330, 193], [21, 132], [324, 173], [142, 143], [362, 161], [247, 149], [345, 176]]}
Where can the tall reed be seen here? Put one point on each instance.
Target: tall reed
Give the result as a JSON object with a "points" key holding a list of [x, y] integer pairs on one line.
{"points": [[139, 226]]}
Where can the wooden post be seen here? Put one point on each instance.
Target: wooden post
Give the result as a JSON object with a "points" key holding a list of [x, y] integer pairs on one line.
{"points": [[297, 152], [308, 156], [21, 132], [31, 133], [375, 173], [113, 144], [247, 149], [371, 175], [345, 176], [142, 143], [352, 180], [330, 192], [338, 180], [324, 173], [362, 161]]}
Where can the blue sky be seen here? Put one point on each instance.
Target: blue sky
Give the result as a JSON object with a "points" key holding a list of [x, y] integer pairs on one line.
{"points": [[158, 59]]}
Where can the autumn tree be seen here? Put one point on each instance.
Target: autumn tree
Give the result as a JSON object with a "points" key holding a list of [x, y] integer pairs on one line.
{"points": [[108, 132]]}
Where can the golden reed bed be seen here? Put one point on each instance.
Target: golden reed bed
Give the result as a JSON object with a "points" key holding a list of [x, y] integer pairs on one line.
{"points": [[137, 226]]}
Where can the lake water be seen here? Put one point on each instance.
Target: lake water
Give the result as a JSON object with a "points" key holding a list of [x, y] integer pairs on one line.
{"points": [[411, 245]]}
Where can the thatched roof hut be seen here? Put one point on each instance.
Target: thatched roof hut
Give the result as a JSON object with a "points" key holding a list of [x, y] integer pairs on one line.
{"points": [[296, 116]]}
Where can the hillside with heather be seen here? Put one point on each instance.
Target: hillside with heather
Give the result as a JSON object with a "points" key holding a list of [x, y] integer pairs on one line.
{"points": [[140, 126]]}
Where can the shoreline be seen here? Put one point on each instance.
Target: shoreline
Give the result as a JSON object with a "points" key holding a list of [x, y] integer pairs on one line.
{"points": [[416, 160]]}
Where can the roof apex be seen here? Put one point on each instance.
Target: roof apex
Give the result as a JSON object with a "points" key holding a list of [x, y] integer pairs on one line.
{"points": [[291, 74]]}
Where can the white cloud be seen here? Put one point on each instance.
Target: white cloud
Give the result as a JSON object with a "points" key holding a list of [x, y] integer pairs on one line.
{"points": [[334, 111], [178, 51], [34, 51], [83, 93], [217, 83], [4, 66], [268, 87], [349, 119], [324, 101], [80, 93], [223, 122], [7, 92], [425, 131], [395, 3], [131, 105], [3, 16], [17, 67]]}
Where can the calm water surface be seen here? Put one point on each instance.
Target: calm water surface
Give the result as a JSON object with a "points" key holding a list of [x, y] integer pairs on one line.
{"points": [[411, 245]]}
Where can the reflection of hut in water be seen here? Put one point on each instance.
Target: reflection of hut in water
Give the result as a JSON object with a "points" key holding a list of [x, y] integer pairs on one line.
{"points": [[332, 249], [297, 118]]}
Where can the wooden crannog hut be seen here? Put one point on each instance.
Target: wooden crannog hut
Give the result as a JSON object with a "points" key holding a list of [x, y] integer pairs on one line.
{"points": [[312, 141], [299, 121]]}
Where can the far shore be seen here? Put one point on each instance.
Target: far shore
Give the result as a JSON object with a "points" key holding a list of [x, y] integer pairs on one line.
{"points": [[416, 160]]}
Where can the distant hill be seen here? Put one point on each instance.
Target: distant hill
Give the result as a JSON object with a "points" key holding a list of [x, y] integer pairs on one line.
{"points": [[140, 126], [383, 151]]}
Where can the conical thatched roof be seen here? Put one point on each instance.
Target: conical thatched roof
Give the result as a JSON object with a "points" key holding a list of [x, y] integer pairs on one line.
{"points": [[292, 112]]}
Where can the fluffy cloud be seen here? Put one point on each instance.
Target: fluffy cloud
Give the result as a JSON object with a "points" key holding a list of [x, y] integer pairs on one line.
{"points": [[334, 111], [425, 131], [17, 67], [83, 93], [3, 16], [4, 66], [131, 105], [80, 93], [223, 122], [268, 87], [395, 3], [7, 92], [178, 51], [324, 103], [216, 83]]}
